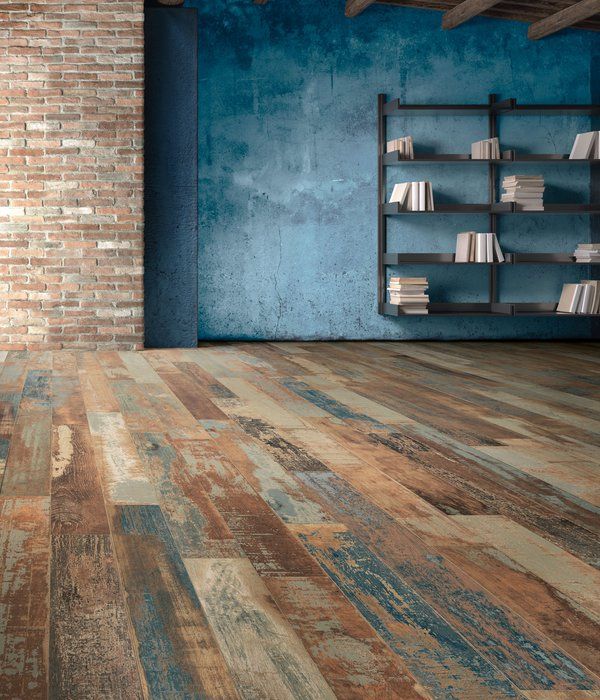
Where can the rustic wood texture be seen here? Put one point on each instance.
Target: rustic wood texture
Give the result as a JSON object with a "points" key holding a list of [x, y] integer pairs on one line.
{"points": [[562, 19], [464, 11], [297, 520], [524, 10]]}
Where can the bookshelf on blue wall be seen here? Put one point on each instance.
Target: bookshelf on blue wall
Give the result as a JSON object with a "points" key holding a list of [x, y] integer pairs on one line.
{"points": [[493, 208]]}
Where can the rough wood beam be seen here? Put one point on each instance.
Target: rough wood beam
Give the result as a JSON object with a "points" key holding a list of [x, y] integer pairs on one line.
{"points": [[564, 18], [355, 7], [464, 11]]}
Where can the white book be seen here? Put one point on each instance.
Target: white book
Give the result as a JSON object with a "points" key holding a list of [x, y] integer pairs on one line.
{"points": [[584, 145], [489, 239], [569, 298], [430, 204], [596, 300], [463, 244], [422, 197], [586, 299], [414, 194], [400, 193], [498, 250], [480, 247]]}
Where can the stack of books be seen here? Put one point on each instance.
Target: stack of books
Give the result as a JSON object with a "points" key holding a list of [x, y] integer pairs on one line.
{"points": [[477, 247], [586, 146], [587, 253], [409, 294], [404, 146], [413, 196], [582, 298], [488, 149], [525, 190]]}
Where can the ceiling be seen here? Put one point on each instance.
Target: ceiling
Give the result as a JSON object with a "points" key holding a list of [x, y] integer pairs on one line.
{"points": [[531, 11]]}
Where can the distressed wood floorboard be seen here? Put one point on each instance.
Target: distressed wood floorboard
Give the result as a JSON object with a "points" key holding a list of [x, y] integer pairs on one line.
{"points": [[301, 520]]}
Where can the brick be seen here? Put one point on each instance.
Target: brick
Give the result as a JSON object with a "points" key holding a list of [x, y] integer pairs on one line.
{"points": [[71, 174]]}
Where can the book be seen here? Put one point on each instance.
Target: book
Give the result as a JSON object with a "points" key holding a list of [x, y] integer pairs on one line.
{"points": [[413, 196], [477, 247], [569, 298], [595, 305], [400, 193], [408, 294], [481, 248], [585, 146], [463, 245], [585, 303], [497, 250], [403, 145], [527, 191], [488, 149]]}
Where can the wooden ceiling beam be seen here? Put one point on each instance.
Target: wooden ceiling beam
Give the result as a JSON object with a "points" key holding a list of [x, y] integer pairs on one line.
{"points": [[563, 19], [464, 11], [355, 7]]}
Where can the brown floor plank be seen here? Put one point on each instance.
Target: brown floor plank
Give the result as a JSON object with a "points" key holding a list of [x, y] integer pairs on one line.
{"points": [[24, 585], [344, 519], [91, 647]]}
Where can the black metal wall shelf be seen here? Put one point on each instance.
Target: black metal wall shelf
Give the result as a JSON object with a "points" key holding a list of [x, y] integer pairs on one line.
{"points": [[485, 309], [395, 158], [495, 107], [392, 259], [493, 208]]}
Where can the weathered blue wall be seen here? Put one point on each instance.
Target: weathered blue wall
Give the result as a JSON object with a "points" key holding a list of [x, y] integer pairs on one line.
{"points": [[288, 165]]}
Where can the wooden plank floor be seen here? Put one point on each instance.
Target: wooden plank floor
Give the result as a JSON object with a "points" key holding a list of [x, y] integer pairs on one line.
{"points": [[297, 520]]}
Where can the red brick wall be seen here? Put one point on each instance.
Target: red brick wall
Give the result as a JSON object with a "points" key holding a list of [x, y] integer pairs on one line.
{"points": [[71, 174]]}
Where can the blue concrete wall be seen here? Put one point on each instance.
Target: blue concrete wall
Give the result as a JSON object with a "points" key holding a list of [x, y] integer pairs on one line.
{"points": [[288, 165]]}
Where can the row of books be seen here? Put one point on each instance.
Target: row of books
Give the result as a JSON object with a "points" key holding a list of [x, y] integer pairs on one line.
{"points": [[582, 298], [525, 190], [587, 253], [586, 146], [409, 294], [403, 145], [413, 196], [477, 247], [488, 149]]}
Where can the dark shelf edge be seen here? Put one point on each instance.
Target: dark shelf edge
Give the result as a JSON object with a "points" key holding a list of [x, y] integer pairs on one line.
{"points": [[505, 107], [393, 158], [511, 259], [499, 208], [506, 309]]}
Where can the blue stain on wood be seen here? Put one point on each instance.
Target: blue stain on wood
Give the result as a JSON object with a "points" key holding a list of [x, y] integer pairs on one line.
{"points": [[149, 520], [288, 162], [37, 386], [318, 398], [514, 647], [434, 652]]}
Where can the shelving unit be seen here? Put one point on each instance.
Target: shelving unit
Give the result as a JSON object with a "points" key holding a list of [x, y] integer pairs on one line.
{"points": [[493, 208]]}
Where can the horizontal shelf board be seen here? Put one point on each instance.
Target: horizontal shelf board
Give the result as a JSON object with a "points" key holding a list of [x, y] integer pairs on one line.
{"points": [[486, 309], [426, 259], [498, 208], [394, 209], [396, 107], [506, 107], [510, 259], [463, 309], [394, 158]]}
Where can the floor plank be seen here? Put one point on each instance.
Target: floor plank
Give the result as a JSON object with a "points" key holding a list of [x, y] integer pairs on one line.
{"points": [[301, 520]]}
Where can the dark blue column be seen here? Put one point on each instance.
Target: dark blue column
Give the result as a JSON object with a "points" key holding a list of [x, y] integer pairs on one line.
{"points": [[171, 187]]}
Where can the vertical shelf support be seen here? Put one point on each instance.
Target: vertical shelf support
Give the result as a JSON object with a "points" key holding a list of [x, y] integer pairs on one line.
{"points": [[381, 195], [493, 193]]}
